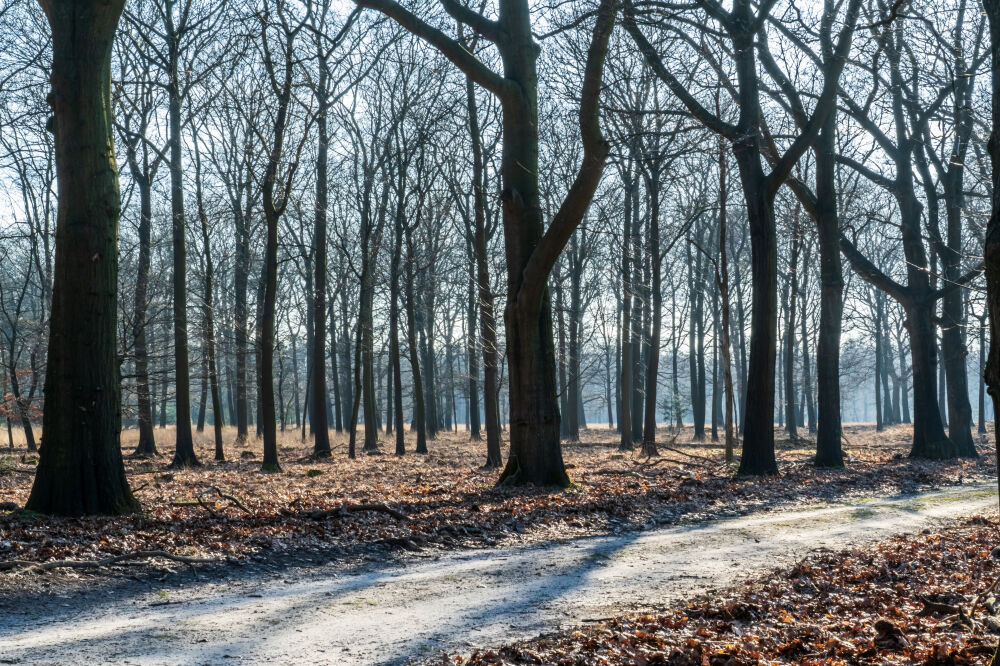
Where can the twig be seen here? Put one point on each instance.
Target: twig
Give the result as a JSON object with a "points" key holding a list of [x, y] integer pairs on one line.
{"points": [[981, 596], [95, 564], [707, 461], [212, 489], [230, 498], [932, 607]]}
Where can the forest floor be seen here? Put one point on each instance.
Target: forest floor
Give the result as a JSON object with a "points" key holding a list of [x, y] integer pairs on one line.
{"points": [[375, 504], [416, 608], [444, 561]]}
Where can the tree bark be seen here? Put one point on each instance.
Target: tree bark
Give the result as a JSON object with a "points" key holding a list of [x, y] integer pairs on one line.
{"points": [[184, 455], [209, 317], [791, 418], [80, 468], [318, 417], [487, 317]]}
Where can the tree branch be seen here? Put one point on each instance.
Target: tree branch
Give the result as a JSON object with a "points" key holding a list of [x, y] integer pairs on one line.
{"points": [[595, 154], [450, 48], [486, 27], [871, 273], [655, 63]]}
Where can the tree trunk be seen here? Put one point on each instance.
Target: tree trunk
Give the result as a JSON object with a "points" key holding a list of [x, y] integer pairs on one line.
{"points": [[338, 408], [758, 425], [80, 468], [576, 259], [791, 418], [638, 318], [211, 367], [929, 439], [982, 384], [535, 451], [419, 414], [394, 362], [625, 332], [184, 455], [991, 252], [561, 358], [727, 373], [656, 296], [487, 318], [146, 448], [829, 451]]}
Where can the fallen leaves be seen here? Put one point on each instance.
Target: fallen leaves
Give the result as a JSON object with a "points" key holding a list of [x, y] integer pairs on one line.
{"points": [[443, 500], [910, 600]]}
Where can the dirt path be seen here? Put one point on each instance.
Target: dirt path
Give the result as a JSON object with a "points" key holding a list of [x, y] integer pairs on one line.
{"points": [[404, 612]]}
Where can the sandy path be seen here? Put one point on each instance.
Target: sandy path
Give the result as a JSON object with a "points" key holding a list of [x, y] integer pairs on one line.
{"points": [[398, 613]]}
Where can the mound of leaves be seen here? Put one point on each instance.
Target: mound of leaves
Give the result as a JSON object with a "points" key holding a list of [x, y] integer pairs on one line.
{"points": [[929, 599]]}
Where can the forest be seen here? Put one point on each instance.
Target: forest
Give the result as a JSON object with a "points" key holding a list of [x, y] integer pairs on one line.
{"points": [[646, 332]]}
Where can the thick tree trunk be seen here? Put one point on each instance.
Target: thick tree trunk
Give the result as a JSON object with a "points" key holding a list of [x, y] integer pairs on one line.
{"points": [[991, 254], [758, 427], [929, 439], [535, 451], [80, 468], [531, 249]]}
